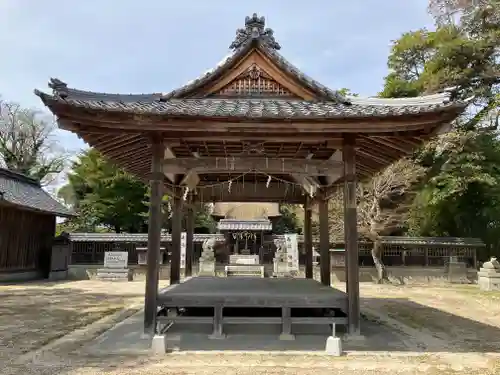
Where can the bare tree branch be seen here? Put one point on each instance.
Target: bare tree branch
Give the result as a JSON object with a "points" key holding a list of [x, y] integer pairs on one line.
{"points": [[27, 144], [383, 206]]}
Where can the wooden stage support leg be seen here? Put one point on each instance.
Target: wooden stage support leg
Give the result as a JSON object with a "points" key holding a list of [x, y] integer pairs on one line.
{"points": [[154, 237], [175, 259], [218, 332], [324, 243], [308, 238], [286, 324], [189, 240], [351, 234]]}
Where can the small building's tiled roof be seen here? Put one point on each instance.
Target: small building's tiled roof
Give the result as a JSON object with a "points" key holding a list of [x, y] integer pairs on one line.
{"points": [[234, 224], [22, 191], [246, 210]]}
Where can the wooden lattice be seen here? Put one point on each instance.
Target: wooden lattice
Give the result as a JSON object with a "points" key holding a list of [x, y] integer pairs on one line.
{"points": [[254, 82]]}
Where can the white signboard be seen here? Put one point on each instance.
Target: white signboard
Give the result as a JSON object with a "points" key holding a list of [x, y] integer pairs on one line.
{"points": [[183, 249], [115, 259], [292, 251]]}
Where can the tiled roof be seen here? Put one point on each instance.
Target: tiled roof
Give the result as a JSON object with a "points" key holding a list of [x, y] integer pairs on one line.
{"points": [[246, 210], [330, 104], [20, 190], [261, 109], [234, 224]]}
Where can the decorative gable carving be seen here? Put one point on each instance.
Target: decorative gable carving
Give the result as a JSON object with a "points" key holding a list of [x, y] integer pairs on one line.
{"points": [[254, 82]]}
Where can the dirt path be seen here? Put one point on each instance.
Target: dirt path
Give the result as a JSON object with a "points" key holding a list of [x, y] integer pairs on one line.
{"points": [[461, 318], [464, 317], [34, 314], [226, 363]]}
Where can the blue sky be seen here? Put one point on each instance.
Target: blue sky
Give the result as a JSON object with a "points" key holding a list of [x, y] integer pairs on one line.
{"points": [[132, 46]]}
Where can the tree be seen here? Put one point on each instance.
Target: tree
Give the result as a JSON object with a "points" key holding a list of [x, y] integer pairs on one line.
{"points": [[450, 11], [108, 198], [26, 142], [383, 205], [288, 222], [105, 195], [459, 194]]}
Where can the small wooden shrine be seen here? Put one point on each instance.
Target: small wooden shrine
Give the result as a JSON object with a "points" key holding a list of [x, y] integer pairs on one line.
{"points": [[253, 129]]}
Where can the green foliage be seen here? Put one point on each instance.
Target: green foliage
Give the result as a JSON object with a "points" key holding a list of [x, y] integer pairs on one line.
{"points": [[104, 195], [288, 222], [107, 198], [460, 194]]}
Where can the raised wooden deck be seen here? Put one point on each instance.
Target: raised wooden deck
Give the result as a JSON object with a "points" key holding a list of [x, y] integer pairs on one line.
{"points": [[301, 301]]}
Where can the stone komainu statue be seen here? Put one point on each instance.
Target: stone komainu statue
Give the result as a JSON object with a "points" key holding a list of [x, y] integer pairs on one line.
{"points": [[208, 249]]}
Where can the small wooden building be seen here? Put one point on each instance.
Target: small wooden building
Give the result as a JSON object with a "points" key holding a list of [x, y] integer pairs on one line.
{"points": [[27, 225]]}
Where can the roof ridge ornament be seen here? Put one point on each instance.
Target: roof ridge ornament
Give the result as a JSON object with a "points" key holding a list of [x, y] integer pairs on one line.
{"points": [[58, 87], [255, 31]]}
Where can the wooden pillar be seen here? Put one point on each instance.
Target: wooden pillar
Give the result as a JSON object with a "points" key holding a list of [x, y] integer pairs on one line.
{"points": [[189, 240], [175, 259], [154, 236], [324, 243], [351, 233], [308, 238]]}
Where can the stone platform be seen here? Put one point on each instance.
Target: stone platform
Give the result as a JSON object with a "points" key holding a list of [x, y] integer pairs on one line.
{"points": [[246, 301]]}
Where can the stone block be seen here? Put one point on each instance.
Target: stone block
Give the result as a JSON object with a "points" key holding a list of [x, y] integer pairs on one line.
{"points": [[113, 274], [333, 346], [488, 277], [159, 344], [206, 268]]}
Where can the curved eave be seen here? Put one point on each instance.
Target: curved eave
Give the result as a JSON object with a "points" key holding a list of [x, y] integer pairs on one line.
{"points": [[251, 110]]}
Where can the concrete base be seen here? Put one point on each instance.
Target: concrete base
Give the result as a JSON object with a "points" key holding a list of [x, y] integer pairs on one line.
{"points": [[488, 281], [159, 344], [58, 275], [355, 337], [113, 274], [333, 346], [287, 337], [215, 336]]}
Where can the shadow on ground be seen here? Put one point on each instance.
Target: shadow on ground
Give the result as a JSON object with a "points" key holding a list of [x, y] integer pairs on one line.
{"points": [[453, 333]]}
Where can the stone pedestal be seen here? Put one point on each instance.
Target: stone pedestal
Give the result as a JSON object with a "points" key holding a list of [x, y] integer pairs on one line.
{"points": [[282, 263], [488, 276], [456, 271], [115, 267]]}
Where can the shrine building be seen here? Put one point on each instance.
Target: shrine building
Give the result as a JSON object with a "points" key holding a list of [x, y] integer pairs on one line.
{"points": [[255, 128]]}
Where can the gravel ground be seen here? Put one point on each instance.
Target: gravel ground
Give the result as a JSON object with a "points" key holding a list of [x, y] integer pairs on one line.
{"points": [[34, 314], [461, 319]]}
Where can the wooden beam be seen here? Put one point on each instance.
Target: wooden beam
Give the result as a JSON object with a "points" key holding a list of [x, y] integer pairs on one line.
{"points": [[324, 243], [175, 259], [252, 192], [130, 121], [351, 234], [308, 237], [211, 165], [154, 238], [189, 240]]}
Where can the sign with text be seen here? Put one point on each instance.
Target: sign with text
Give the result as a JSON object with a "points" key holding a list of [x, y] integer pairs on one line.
{"points": [[115, 259], [183, 249], [292, 251]]}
